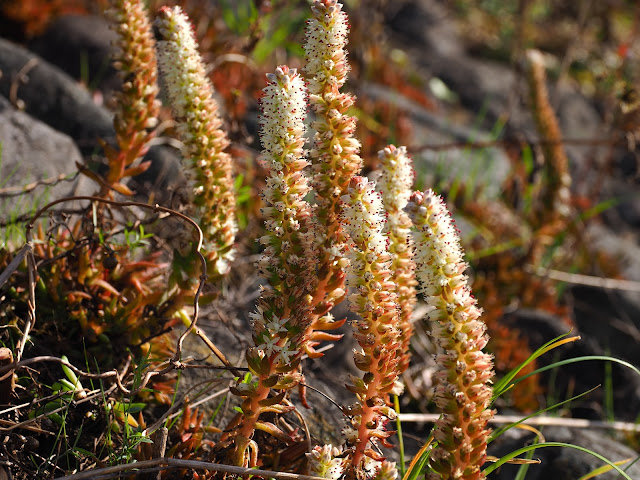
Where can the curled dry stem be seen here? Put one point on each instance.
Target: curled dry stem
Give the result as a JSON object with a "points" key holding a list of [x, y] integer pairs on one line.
{"points": [[27, 252]]}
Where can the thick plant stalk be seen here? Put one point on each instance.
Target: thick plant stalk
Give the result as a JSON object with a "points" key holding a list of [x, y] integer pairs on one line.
{"points": [[190, 94], [395, 186], [137, 106], [463, 393], [334, 156], [284, 311], [377, 332]]}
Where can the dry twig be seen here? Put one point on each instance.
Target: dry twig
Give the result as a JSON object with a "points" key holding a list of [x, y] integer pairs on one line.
{"points": [[588, 280], [178, 463], [538, 420], [20, 190]]}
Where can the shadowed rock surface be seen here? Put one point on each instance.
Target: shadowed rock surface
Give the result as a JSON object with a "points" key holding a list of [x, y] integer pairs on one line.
{"points": [[31, 152], [51, 96], [81, 46], [47, 93]]}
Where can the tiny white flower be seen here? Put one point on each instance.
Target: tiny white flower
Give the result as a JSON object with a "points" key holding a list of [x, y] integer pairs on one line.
{"points": [[269, 346], [276, 325], [285, 356]]}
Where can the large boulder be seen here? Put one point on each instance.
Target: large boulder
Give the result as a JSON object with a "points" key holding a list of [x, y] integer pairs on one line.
{"points": [[82, 46], [50, 95], [31, 152]]}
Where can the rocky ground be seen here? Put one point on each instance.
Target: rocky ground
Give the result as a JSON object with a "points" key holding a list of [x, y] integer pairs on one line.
{"points": [[50, 121]]}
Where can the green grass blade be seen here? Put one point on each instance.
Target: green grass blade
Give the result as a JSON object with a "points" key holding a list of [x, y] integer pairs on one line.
{"points": [[608, 391], [632, 463], [522, 450], [575, 360], [507, 381], [524, 468], [494, 249], [419, 461], [500, 431], [599, 208], [602, 469], [396, 406]]}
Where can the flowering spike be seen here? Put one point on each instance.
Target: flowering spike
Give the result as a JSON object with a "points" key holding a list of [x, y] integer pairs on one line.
{"points": [[137, 106], [555, 210], [377, 330], [289, 256], [190, 94], [325, 49], [335, 158], [280, 324], [395, 186], [465, 372]]}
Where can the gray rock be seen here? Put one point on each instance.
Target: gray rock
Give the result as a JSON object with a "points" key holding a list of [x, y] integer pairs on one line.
{"points": [[48, 94], [487, 168], [164, 178], [426, 23], [579, 120], [429, 29], [32, 151], [620, 245], [492, 91], [624, 216], [610, 316], [81, 45], [620, 309]]}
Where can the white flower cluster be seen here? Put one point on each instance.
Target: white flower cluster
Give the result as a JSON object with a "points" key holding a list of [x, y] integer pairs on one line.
{"points": [[222, 266], [288, 245], [381, 470], [180, 62], [190, 95], [463, 393], [282, 135], [270, 340], [325, 47], [363, 217], [438, 254], [284, 109], [324, 462], [395, 183]]}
